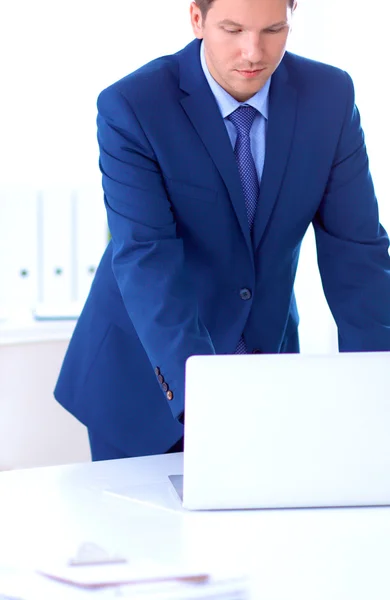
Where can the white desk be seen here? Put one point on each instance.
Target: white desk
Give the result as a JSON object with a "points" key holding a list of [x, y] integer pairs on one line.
{"points": [[292, 555]]}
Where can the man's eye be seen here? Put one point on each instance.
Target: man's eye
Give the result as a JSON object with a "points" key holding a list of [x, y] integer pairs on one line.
{"points": [[232, 30]]}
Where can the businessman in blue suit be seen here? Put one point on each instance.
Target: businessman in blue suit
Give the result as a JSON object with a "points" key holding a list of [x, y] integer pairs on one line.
{"points": [[215, 161]]}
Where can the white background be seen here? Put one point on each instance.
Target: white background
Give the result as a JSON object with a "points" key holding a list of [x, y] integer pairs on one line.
{"points": [[56, 56]]}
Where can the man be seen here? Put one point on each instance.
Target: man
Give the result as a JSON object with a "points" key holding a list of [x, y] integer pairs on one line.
{"points": [[215, 161]]}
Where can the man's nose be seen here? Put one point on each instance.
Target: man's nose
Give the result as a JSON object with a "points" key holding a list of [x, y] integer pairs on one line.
{"points": [[252, 49]]}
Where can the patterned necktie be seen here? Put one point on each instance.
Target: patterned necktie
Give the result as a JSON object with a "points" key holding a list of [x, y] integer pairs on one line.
{"points": [[243, 119]]}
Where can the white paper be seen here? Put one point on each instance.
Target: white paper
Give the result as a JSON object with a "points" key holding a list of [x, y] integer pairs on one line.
{"points": [[118, 574]]}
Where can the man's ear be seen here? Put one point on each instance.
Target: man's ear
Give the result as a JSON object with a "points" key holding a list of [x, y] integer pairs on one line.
{"points": [[196, 20]]}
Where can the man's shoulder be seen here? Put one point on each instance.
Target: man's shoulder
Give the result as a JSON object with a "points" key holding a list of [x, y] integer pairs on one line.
{"points": [[306, 71], [154, 79]]}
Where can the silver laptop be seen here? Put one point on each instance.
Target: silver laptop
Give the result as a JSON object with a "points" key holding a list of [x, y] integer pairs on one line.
{"points": [[287, 431]]}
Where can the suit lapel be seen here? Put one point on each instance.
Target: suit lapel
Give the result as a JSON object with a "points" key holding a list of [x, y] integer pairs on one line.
{"points": [[281, 126], [203, 111]]}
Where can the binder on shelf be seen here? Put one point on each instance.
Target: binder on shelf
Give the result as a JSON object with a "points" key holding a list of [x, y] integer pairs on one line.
{"points": [[55, 238], [72, 237], [51, 242], [18, 249]]}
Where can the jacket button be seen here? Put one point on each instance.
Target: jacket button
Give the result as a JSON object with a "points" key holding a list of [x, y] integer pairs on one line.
{"points": [[157, 371], [161, 379], [245, 294], [165, 387], [170, 395]]}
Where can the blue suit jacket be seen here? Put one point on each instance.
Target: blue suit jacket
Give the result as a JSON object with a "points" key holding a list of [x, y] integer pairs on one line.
{"points": [[183, 275]]}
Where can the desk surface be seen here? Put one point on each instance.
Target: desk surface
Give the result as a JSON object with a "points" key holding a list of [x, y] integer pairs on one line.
{"points": [[129, 507]]}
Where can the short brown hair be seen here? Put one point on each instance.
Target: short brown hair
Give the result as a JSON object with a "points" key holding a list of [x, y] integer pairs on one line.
{"points": [[205, 6]]}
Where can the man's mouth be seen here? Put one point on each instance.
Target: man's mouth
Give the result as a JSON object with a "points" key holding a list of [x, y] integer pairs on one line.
{"points": [[249, 73]]}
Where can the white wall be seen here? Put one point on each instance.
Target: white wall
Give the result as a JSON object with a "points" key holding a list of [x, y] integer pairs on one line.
{"points": [[60, 55]]}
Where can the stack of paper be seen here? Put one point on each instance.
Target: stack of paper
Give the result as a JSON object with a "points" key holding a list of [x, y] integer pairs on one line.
{"points": [[150, 581], [23, 585], [96, 576]]}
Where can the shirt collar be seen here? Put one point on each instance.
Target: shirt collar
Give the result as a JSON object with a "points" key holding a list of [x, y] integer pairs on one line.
{"points": [[226, 103]]}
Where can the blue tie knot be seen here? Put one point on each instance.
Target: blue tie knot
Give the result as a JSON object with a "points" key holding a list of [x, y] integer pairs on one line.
{"points": [[242, 118]]}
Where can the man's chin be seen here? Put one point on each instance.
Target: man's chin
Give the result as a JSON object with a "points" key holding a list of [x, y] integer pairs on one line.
{"points": [[249, 88]]}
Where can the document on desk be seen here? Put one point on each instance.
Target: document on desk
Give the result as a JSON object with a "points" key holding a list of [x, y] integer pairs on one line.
{"points": [[109, 575], [151, 581], [21, 584]]}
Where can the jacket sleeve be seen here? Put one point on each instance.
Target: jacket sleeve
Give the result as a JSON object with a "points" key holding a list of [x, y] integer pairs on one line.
{"points": [[352, 246], [148, 256]]}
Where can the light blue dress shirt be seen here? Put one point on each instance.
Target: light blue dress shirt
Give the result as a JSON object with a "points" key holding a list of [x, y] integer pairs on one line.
{"points": [[227, 104]]}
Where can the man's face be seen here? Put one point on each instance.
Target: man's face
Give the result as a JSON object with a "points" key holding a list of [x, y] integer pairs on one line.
{"points": [[244, 41]]}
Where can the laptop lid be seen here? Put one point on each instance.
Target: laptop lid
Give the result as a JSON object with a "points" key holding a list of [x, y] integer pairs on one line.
{"points": [[285, 431]]}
